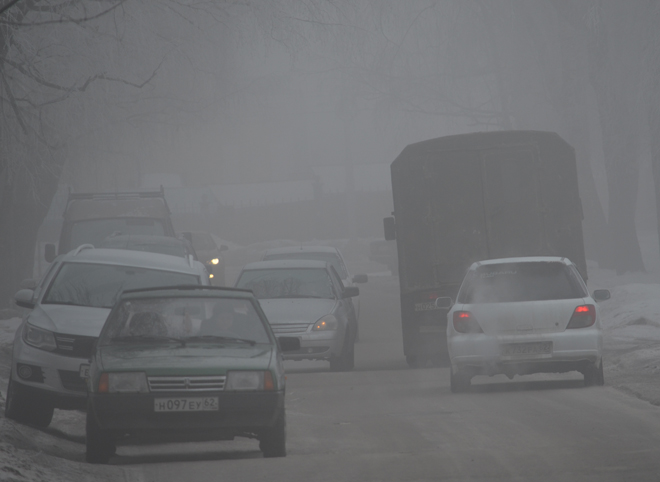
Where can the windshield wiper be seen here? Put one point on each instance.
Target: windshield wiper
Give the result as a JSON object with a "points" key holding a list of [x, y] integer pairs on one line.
{"points": [[137, 338], [219, 338]]}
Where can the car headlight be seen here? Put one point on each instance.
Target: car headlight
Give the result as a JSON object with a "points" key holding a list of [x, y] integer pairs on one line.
{"points": [[328, 322], [249, 380], [215, 261], [128, 382], [38, 338]]}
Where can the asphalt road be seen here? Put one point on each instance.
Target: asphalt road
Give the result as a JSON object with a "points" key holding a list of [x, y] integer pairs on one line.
{"points": [[386, 422]]}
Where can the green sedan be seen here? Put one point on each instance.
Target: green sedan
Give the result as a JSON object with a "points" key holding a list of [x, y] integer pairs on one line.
{"points": [[187, 363]]}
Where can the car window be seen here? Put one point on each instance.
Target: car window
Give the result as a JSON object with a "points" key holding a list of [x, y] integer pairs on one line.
{"points": [[335, 276], [333, 258], [196, 320], [288, 283], [98, 285], [520, 282], [94, 231]]}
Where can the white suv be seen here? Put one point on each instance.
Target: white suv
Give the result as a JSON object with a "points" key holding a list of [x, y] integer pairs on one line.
{"points": [[69, 306]]}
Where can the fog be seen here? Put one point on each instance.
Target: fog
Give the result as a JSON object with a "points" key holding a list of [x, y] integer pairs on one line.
{"points": [[274, 104]]}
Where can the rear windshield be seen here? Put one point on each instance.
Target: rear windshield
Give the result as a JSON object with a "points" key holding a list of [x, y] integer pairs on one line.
{"points": [[520, 282], [94, 231], [287, 283], [331, 258], [98, 285]]}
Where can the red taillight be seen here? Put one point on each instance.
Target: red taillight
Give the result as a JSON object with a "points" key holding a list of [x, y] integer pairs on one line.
{"points": [[104, 383], [583, 317], [465, 322]]}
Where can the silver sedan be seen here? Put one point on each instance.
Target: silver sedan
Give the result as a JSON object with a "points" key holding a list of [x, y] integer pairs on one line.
{"points": [[306, 299]]}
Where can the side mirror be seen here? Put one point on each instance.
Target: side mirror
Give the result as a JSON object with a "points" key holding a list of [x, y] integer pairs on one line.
{"points": [[24, 298], [444, 303], [50, 253], [390, 228], [602, 295], [224, 247], [351, 292], [360, 278], [288, 343]]}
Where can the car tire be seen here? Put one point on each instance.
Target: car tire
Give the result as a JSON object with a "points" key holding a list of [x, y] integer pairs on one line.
{"points": [[594, 375], [272, 442], [459, 382], [23, 408], [100, 443], [346, 361]]}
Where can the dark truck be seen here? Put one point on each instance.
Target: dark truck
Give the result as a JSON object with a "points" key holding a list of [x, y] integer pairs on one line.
{"points": [[90, 218], [469, 197]]}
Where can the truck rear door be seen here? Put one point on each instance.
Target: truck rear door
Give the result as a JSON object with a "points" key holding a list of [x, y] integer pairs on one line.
{"points": [[512, 205]]}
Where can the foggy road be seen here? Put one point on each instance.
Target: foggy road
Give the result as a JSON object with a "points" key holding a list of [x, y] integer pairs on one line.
{"points": [[386, 422]]}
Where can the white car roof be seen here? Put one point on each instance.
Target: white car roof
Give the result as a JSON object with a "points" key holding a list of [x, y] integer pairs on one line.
{"points": [[139, 259], [522, 259], [302, 249], [285, 263]]}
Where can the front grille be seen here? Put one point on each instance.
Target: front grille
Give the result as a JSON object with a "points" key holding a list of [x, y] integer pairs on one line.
{"points": [[72, 381], [286, 328], [186, 384], [74, 345]]}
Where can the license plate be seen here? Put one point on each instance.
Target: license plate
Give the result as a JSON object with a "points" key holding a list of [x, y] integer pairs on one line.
{"points": [[84, 371], [206, 404], [428, 306], [533, 348]]}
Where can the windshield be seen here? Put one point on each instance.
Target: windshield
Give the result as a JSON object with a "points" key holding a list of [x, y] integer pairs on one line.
{"points": [[287, 283], [98, 285], [520, 282], [95, 231], [331, 258], [185, 320]]}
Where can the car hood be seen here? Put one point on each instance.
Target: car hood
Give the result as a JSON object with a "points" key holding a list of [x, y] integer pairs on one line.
{"points": [[73, 320], [296, 310], [170, 359]]}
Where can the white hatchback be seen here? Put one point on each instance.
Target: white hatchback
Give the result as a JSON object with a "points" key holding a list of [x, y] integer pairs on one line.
{"points": [[518, 316]]}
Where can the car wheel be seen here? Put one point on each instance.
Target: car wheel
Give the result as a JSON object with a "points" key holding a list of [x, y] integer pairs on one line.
{"points": [[593, 375], [21, 407], [346, 361], [459, 382], [100, 443], [272, 442]]}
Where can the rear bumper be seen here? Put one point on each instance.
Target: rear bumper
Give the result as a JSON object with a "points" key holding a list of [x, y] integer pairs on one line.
{"points": [[481, 354], [239, 413]]}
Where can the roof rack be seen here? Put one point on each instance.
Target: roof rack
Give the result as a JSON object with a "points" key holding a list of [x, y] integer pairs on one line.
{"points": [[82, 247]]}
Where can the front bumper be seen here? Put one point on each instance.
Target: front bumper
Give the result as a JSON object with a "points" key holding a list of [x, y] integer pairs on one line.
{"points": [[239, 413], [321, 345], [58, 380]]}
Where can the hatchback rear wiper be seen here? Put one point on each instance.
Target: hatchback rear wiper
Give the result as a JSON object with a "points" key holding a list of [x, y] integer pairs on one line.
{"points": [[218, 338]]}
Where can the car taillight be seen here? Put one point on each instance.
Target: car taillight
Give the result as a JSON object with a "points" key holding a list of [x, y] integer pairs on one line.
{"points": [[583, 317], [465, 322], [104, 383]]}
